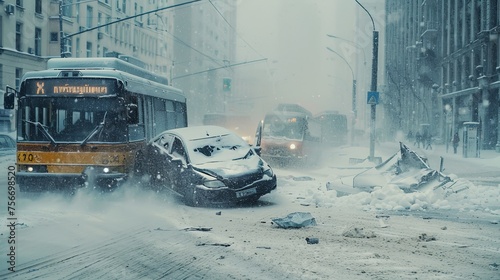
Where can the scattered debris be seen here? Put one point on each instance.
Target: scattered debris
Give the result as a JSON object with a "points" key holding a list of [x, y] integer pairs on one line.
{"points": [[214, 244], [355, 232], [295, 220], [198, 229], [218, 213], [382, 219], [494, 266], [426, 238], [303, 178], [312, 240], [263, 247], [410, 172]]}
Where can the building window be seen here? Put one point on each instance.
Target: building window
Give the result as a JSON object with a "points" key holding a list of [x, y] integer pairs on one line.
{"points": [[19, 3], [78, 51], [89, 49], [54, 36], [67, 8], [99, 20], [107, 28], [89, 16], [38, 7], [124, 6], [38, 41], [19, 74], [104, 51], [19, 27], [67, 44]]}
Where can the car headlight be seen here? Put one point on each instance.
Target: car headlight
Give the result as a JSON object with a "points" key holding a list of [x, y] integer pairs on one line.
{"points": [[268, 171], [214, 184], [292, 146]]}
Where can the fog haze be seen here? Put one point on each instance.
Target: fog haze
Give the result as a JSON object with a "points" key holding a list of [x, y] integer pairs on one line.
{"points": [[291, 35]]}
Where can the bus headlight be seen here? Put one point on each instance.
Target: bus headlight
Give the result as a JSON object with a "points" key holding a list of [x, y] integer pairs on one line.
{"points": [[292, 146]]}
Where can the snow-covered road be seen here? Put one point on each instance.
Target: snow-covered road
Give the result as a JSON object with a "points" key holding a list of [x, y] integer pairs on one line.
{"points": [[131, 234]]}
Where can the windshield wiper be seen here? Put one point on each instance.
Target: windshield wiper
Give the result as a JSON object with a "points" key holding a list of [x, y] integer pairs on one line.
{"points": [[247, 155], [96, 130], [44, 131]]}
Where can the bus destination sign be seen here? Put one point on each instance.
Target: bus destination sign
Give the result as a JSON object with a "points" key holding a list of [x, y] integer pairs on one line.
{"points": [[69, 87]]}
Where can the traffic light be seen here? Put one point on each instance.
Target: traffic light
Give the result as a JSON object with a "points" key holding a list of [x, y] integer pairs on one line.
{"points": [[226, 84]]}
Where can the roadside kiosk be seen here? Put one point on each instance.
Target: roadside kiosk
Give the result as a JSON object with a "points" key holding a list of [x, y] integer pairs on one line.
{"points": [[471, 140]]}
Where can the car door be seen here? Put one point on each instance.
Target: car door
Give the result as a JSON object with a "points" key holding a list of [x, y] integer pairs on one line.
{"points": [[159, 160], [178, 165]]}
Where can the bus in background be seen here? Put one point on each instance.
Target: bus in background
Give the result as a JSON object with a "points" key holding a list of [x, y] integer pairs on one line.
{"points": [[83, 121], [333, 128], [290, 135], [238, 123]]}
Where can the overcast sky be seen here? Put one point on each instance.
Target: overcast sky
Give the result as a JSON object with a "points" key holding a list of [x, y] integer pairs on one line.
{"points": [[299, 68]]}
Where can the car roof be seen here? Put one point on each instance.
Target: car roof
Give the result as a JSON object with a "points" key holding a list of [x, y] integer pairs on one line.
{"points": [[199, 132]]}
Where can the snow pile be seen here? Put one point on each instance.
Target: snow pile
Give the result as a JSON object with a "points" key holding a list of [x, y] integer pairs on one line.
{"points": [[336, 188]]}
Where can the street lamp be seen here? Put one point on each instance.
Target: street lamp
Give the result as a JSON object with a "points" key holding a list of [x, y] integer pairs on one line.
{"points": [[355, 114], [352, 43], [373, 89]]}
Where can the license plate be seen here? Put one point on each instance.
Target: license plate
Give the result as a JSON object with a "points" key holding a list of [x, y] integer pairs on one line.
{"points": [[246, 192]]}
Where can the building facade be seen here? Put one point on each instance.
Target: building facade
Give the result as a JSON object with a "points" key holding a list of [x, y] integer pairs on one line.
{"points": [[204, 49], [442, 67]]}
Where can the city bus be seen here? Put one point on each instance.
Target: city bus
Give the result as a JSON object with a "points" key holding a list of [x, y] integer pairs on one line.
{"points": [[333, 128], [83, 121], [290, 135]]}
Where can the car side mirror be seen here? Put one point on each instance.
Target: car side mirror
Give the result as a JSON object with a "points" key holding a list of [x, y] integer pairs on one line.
{"points": [[257, 150]]}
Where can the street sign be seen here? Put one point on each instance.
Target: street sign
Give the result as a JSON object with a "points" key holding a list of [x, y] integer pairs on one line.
{"points": [[372, 97]]}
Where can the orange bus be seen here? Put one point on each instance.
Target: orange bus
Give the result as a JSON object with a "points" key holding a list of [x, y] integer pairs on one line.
{"points": [[82, 121]]}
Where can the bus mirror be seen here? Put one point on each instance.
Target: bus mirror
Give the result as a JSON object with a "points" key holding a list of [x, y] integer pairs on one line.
{"points": [[8, 98]]}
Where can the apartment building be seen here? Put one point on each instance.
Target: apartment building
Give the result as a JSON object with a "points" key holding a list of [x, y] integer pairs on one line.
{"points": [[442, 67]]}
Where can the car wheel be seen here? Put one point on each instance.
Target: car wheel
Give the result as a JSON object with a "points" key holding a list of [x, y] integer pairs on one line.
{"points": [[192, 196]]}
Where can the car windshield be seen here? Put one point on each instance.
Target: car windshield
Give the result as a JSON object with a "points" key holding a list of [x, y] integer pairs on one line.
{"points": [[218, 148]]}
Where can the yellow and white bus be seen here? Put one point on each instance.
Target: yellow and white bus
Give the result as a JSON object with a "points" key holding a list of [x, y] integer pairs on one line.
{"points": [[84, 120]]}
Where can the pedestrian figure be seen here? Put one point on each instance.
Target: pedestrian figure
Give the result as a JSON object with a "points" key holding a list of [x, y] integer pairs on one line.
{"points": [[455, 141], [418, 139], [409, 137], [428, 142]]}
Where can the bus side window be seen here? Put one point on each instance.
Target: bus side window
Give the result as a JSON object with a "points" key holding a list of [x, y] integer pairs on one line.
{"points": [[132, 113]]}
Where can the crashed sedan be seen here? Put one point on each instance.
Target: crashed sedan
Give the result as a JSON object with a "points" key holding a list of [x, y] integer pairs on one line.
{"points": [[206, 165]]}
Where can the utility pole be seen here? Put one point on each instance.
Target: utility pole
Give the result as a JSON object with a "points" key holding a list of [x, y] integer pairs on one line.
{"points": [[373, 95]]}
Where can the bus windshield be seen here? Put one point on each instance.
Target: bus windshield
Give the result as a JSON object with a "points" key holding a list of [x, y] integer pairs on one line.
{"points": [[72, 119], [289, 127]]}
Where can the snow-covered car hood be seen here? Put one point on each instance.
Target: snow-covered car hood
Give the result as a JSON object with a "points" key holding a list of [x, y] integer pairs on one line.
{"points": [[228, 169]]}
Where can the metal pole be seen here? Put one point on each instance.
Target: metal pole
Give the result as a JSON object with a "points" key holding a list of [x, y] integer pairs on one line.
{"points": [[373, 89], [354, 111], [61, 35]]}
